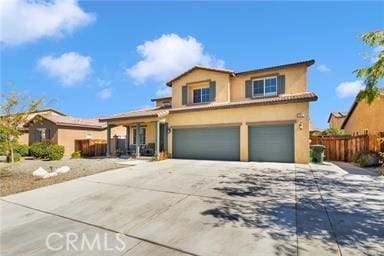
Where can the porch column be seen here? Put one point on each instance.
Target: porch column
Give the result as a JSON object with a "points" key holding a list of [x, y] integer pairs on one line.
{"points": [[138, 142], [127, 133], [157, 139], [109, 140]]}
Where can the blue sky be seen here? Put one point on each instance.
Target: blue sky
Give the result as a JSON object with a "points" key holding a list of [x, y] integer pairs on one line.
{"points": [[96, 58]]}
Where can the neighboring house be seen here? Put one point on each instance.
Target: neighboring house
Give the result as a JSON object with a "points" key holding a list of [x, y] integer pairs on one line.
{"points": [[364, 119], [219, 114], [64, 130], [336, 119], [24, 138]]}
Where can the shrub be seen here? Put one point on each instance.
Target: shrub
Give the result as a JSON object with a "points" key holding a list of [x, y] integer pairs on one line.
{"points": [[16, 157], [366, 159], [55, 152], [23, 150], [119, 152], [76, 154], [47, 150], [39, 150]]}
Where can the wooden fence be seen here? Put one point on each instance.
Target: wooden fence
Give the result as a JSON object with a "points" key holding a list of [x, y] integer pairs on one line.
{"points": [[344, 148], [89, 148]]}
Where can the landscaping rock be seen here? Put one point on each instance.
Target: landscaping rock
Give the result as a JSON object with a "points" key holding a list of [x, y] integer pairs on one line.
{"points": [[63, 169], [369, 159], [40, 172], [49, 175]]}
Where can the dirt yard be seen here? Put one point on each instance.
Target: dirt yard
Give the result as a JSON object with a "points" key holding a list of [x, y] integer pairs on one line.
{"points": [[18, 177]]}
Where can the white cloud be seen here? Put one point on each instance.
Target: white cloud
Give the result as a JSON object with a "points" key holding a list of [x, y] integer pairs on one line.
{"points": [[164, 92], [25, 21], [349, 89], [70, 68], [169, 55], [105, 93], [323, 68]]}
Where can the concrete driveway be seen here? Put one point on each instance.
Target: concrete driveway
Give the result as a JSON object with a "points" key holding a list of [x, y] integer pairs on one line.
{"points": [[186, 207]]}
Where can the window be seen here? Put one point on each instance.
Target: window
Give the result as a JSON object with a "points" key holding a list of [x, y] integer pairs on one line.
{"points": [[88, 136], [201, 95], [265, 87], [42, 134], [365, 131], [142, 135]]}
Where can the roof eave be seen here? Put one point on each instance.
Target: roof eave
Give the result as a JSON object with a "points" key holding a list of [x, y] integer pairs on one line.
{"points": [[309, 99]]}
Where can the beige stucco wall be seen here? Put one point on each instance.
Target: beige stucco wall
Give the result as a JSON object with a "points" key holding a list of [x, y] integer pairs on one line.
{"points": [[68, 135], [232, 88], [336, 122], [24, 138], [150, 132], [295, 81], [198, 75], [367, 117], [245, 115]]}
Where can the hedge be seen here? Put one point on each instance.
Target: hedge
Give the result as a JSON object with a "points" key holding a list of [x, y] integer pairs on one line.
{"points": [[47, 150]]}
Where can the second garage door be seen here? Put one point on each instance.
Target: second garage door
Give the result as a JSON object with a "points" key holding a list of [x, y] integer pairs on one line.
{"points": [[209, 143], [271, 143]]}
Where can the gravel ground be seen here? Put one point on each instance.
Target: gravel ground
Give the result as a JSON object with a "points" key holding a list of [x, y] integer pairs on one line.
{"points": [[18, 177]]}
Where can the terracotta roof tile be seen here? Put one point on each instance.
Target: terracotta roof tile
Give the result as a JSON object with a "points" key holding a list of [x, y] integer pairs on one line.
{"points": [[76, 122], [147, 112], [281, 99]]}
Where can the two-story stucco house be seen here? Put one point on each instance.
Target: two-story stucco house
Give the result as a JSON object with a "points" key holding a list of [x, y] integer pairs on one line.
{"points": [[220, 114], [336, 119], [365, 119]]}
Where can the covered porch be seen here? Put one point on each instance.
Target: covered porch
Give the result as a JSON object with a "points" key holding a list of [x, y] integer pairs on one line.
{"points": [[142, 138]]}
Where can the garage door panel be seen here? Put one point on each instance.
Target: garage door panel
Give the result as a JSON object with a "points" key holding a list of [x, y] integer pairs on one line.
{"points": [[271, 143], [213, 143]]}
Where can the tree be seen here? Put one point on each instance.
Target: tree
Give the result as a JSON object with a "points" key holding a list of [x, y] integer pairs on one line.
{"points": [[373, 74], [333, 131], [14, 113]]}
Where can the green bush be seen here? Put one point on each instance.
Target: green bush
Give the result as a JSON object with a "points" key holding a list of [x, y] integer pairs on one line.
{"points": [[39, 150], [23, 150], [47, 150], [76, 154], [366, 159], [16, 157], [119, 152], [55, 152]]}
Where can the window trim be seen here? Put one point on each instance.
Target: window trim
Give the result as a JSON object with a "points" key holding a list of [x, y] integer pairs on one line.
{"points": [[264, 94], [201, 95]]}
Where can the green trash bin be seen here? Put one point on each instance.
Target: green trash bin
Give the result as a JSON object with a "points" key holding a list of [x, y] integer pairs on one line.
{"points": [[317, 153]]}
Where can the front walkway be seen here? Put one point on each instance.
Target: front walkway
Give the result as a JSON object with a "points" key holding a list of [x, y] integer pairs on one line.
{"points": [[186, 207]]}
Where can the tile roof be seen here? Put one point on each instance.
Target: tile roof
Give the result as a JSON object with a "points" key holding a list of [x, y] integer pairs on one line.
{"points": [[281, 99], [231, 72], [162, 98], [337, 115], [141, 113], [75, 122], [165, 110], [169, 83]]}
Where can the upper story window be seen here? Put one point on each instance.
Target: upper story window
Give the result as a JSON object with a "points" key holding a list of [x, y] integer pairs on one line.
{"points": [[265, 87], [201, 95]]}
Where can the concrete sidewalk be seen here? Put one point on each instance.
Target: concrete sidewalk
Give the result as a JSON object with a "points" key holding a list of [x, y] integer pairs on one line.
{"points": [[186, 207]]}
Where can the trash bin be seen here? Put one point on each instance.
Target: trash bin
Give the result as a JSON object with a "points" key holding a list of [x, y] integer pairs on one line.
{"points": [[317, 153]]}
